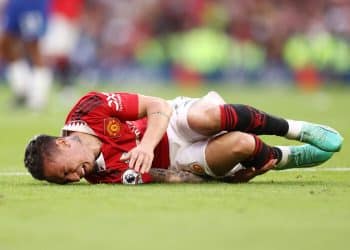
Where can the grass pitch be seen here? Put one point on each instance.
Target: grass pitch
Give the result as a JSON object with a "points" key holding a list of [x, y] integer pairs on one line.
{"points": [[279, 210]]}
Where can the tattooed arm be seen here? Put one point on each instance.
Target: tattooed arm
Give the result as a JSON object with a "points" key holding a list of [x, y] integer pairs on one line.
{"points": [[161, 175]]}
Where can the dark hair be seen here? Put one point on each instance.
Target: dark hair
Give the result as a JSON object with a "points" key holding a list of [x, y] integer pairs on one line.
{"points": [[40, 149]]}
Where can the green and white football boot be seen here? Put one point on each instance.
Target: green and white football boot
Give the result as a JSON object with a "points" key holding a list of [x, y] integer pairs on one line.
{"points": [[303, 156], [323, 137]]}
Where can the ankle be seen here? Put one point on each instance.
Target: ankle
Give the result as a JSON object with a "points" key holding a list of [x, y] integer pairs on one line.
{"points": [[285, 152], [294, 129]]}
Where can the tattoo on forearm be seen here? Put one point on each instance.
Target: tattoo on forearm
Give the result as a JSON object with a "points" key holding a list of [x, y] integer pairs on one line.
{"points": [[161, 113], [182, 176], [175, 176]]}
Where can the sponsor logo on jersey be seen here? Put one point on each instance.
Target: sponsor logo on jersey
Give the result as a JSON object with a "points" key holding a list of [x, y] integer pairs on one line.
{"points": [[114, 100], [112, 127]]}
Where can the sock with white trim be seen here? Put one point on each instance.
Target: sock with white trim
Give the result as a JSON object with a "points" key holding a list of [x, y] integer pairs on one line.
{"points": [[294, 129]]}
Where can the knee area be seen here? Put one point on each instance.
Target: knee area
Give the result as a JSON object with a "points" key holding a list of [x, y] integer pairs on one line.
{"points": [[242, 144], [213, 115], [207, 118]]}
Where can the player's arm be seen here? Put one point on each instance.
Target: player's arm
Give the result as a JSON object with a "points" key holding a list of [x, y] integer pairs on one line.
{"points": [[158, 112], [160, 175], [180, 176]]}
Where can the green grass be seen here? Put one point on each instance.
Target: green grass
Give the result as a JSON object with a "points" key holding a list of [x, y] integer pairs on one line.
{"points": [[279, 210]]}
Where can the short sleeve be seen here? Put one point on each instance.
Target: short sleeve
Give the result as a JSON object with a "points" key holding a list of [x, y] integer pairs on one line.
{"points": [[99, 105], [122, 105]]}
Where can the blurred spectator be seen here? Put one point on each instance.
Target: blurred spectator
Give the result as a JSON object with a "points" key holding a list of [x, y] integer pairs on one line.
{"points": [[61, 37], [23, 24], [195, 40]]}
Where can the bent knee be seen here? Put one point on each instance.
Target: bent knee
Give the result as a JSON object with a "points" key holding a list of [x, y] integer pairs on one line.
{"points": [[214, 97], [242, 144], [225, 151], [205, 118]]}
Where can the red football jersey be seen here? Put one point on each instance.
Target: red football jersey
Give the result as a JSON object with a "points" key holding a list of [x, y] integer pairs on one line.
{"points": [[113, 118], [70, 9]]}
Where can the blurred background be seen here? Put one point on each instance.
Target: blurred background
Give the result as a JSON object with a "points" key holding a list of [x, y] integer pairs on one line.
{"points": [[188, 42]]}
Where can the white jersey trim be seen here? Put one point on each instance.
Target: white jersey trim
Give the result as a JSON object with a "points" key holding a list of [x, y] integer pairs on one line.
{"points": [[77, 126]]}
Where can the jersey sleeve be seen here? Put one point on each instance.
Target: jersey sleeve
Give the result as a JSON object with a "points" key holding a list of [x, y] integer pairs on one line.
{"points": [[97, 105], [121, 105]]}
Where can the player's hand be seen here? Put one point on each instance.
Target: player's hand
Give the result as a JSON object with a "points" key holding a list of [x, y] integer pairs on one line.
{"points": [[139, 158], [246, 174], [268, 166]]}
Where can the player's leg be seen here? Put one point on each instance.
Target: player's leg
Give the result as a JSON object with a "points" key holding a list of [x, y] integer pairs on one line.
{"points": [[191, 149], [248, 119], [31, 33], [219, 155], [208, 118], [216, 156], [58, 51], [41, 77], [224, 152], [17, 70]]}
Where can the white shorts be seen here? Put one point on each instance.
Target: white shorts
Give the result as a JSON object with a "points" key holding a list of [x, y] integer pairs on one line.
{"points": [[186, 146]]}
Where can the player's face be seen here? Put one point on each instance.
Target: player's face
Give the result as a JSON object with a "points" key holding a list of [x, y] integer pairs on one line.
{"points": [[72, 163]]}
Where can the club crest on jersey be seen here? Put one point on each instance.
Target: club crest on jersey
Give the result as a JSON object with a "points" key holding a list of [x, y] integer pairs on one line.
{"points": [[112, 127], [197, 169]]}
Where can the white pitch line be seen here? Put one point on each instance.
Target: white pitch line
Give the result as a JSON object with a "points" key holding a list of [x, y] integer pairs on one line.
{"points": [[336, 169], [13, 173], [340, 169]]}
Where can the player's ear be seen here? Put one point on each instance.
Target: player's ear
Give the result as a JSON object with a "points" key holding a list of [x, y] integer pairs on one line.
{"points": [[62, 142]]}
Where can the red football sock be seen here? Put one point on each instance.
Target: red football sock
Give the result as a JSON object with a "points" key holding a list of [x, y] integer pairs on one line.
{"points": [[262, 154], [238, 117]]}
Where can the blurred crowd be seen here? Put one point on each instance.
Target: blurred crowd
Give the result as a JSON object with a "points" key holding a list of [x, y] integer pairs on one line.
{"points": [[216, 40]]}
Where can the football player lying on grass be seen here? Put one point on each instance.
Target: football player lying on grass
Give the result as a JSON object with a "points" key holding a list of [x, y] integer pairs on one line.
{"points": [[131, 138]]}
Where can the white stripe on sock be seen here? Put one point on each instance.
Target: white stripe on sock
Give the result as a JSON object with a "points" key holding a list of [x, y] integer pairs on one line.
{"points": [[294, 129], [285, 153]]}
